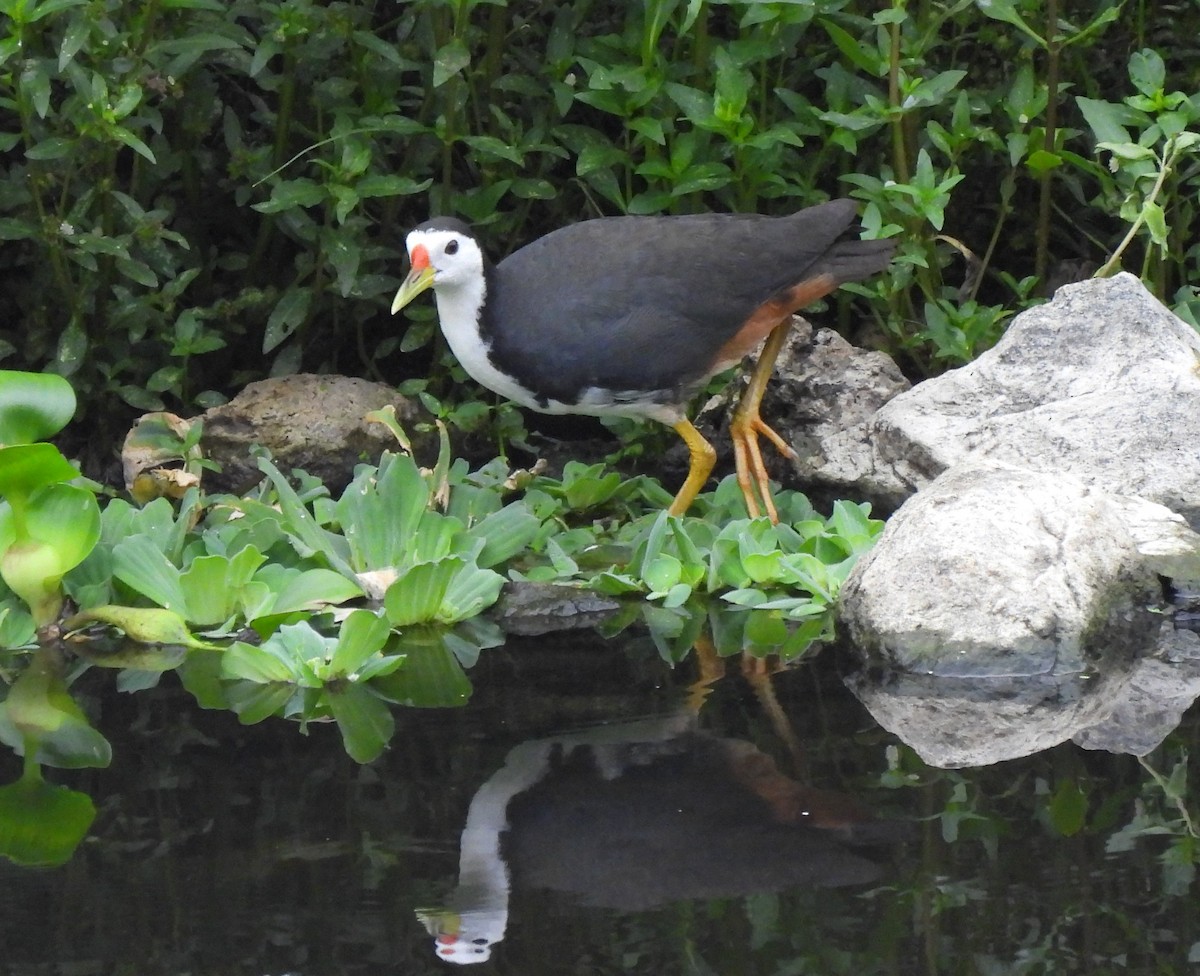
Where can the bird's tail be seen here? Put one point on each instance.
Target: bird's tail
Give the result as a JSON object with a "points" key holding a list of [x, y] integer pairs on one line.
{"points": [[851, 259]]}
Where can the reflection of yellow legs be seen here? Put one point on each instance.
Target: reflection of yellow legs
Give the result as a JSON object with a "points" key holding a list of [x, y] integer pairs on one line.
{"points": [[711, 670], [758, 674], [702, 457], [747, 424]]}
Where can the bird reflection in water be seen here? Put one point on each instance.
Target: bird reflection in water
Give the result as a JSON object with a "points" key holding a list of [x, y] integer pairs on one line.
{"points": [[640, 814]]}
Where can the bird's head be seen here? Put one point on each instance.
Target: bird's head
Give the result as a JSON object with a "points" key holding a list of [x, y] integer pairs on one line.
{"points": [[443, 255]]}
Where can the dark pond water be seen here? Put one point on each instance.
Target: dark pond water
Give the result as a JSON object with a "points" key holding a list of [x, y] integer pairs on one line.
{"points": [[762, 824]]}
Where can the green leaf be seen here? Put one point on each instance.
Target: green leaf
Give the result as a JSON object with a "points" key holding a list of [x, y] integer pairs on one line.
{"points": [[311, 589], [449, 60], [1108, 120], [362, 635], [150, 625], [125, 137], [505, 533], [258, 664], [33, 406], [862, 56], [471, 591], [662, 572], [1068, 808], [366, 722], [1147, 71], [381, 511], [1006, 11], [289, 313], [431, 677], [416, 597], [42, 825], [1156, 222], [141, 565]]}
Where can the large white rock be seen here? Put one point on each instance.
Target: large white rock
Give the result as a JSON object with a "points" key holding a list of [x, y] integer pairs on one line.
{"points": [[998, 570], [1004, 610], [1102, 383]]}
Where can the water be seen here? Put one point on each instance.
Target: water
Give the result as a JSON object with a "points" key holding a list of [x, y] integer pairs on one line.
{"points": [[648, 833]]}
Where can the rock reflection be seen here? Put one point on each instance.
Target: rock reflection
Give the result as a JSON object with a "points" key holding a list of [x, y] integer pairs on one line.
{"points": [[641, 814], [955, 722]]}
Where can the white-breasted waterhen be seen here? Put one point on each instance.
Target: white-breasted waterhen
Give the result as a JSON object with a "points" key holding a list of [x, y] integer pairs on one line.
{"points": [[630, 316]]}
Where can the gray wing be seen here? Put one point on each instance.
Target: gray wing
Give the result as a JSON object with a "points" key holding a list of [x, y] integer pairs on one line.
{"points": [[645, 303]]}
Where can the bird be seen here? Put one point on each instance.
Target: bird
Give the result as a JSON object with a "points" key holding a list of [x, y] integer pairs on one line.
{"points": [[631, 315]]}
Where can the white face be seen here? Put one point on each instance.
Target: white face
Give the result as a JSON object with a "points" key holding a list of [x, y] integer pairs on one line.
{"points": [[454, 257]]}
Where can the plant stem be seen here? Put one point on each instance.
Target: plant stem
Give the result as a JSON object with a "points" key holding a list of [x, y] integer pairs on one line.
{"points": [[1042, 257], [899, 149], [1168, 161]]}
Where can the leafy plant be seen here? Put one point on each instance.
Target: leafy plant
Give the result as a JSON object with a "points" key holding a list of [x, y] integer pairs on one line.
{"points": [[1143, 166], [42, 824], [47, 526]]}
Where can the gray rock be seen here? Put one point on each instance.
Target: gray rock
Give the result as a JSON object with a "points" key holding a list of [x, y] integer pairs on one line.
{"points": [[822, 399], [1150, 704], [1128, 707], [996, 570], [311, 422], [954, 722], [1102, 383]]}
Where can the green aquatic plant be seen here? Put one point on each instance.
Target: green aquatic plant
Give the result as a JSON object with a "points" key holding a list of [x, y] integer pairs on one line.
{"points": [[41, 823], [47, 526]]}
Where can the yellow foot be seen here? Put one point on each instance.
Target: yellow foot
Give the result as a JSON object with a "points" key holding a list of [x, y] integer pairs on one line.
{"points": [[744, 430]]}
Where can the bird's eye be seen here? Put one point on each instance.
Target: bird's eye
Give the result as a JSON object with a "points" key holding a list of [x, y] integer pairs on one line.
{"points": [[452, 247]]}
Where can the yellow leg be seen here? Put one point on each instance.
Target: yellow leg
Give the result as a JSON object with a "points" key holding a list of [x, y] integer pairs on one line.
{"points": [[702, 456], [746, 426]]}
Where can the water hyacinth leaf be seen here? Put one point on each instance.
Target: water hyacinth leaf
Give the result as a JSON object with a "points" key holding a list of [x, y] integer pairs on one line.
{"points": [[66, 517], [365, 721], [471, 591], [310, 589], [141, 565], [416, 597], [150, 625], [33, 406], [41, 825], [252, 702], [362, 635], [505, 533], [39, 714], [380, 512], [26, 467], [431, 677], [136, 657], [302, 529]]}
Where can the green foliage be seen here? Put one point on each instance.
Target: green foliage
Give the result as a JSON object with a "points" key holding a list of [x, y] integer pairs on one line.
{"points": [[47, 527], [1147, 136], [197, 194]]}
